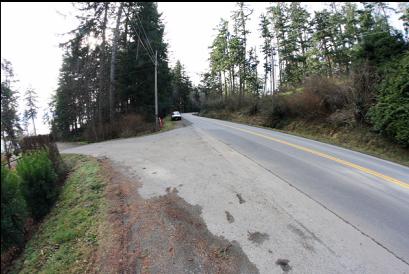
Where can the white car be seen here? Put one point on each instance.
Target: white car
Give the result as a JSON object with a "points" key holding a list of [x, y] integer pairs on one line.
{"points": [[176, 116]]}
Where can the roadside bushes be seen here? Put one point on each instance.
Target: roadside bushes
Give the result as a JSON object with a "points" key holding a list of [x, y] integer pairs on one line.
{"points": [[133, 124], [319, 97], [38, 182], [275, 110], [13, 210], [390, 115], [27, 192], [128, 125]]}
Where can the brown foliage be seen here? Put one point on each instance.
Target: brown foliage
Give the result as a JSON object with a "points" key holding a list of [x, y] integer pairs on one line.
{"points": [[365, 80], [132, 124], [47, 142], [127, 126], [320, 98]]}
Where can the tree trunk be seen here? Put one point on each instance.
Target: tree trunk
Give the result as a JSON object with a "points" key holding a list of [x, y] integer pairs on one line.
{"points": [[113, 60], [6, 151], [34, 126], [273, 71], [233, 80], [328, 59], [221, 84], [225, 84], [102, 71], [271, 74]]}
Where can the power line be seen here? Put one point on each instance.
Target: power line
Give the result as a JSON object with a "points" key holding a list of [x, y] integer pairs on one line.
{"points": [[143, 45], [143, 30], [155, 62]]}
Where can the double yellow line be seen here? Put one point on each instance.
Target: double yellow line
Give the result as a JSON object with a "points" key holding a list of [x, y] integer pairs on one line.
{"points": [[326, 156]]}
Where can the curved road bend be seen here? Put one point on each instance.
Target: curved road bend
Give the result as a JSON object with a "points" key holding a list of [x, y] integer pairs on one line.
{"points": [[369, 193]]}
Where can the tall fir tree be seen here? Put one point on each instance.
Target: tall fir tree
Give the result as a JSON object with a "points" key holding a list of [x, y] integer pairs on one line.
{"points": [[31, 107]]}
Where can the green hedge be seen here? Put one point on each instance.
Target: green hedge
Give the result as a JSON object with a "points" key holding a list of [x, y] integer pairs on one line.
{"points": [[38, 182], [390, 115], [13, 210]]}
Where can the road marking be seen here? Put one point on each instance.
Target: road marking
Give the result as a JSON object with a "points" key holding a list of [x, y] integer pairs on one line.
{"points": [[323, 155]]}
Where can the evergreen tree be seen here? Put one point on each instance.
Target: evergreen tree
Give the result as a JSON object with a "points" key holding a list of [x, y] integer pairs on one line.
{"points": [[280, 25], [182, 88], [267, 48], [252, 74], [135, 65], [299, 42], [31, 104], [10, 124], [219, 55], [102, 80], [240, 18], [404, 9]]}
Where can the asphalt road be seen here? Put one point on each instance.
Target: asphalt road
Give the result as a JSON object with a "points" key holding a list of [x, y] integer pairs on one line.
{"points": [[368, 193], [277, 197]]}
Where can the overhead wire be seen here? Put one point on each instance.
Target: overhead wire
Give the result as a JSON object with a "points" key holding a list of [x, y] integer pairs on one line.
{"points": [[142, 43], [144, 32]]}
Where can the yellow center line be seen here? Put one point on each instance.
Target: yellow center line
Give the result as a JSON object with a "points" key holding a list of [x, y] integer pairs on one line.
{"points": [[326, 156]]}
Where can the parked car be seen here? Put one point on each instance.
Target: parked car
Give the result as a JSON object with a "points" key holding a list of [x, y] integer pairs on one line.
{"points": [[176, 116]]}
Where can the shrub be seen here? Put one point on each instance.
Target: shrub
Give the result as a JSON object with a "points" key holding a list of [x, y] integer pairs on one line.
{"points": [[34, 143], [364, 79], [319, 98], [390, 115], [13, 211], [342, 118], [131, 125], [38, 182], [275, 110], [213, 104], [128, 125]]}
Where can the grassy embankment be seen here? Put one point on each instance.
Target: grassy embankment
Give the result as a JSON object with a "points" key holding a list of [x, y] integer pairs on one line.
{"points": [[67, 239], [356, 138]]}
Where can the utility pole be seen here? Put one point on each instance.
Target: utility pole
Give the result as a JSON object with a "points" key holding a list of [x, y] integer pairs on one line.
{"points": [[156, 90]]}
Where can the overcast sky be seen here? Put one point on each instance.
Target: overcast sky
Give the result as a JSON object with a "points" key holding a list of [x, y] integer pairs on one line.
{"points": [[31, 32]]}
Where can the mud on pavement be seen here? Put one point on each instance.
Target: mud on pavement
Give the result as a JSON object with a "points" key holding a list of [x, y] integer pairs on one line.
{"points": [[160, 235]]}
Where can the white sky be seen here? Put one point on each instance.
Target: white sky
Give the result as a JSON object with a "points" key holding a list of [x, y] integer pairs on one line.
{"points": [[31, 32]]}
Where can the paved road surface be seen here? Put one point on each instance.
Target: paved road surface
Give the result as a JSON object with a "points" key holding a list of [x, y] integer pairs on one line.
{"points": [[326, 209], [375, 205]]}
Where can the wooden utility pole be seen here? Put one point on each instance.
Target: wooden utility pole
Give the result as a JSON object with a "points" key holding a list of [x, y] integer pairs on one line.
{"points": [[156, 90]]}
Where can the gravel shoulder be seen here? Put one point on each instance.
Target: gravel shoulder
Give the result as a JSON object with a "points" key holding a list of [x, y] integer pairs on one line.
{"points": [[163, 234]]}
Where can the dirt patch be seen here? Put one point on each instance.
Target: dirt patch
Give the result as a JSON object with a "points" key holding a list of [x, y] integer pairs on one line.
{"points": [[112, 251], [284, 264], [241, 200], [161, 235], [229, 217], [257, 237]]}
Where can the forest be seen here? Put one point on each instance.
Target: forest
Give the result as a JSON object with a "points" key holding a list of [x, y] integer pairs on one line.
{"points": [[342, 67], [106, 83]]}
